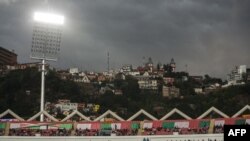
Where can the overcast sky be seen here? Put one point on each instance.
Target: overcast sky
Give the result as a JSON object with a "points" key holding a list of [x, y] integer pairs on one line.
{"points": [[210, 36]]}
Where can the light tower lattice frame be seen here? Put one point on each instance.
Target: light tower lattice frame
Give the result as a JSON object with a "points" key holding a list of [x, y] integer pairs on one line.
{"points": [[46, 40]]}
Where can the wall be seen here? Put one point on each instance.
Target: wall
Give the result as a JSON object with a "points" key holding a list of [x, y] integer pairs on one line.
{"points": [[198, 137]]}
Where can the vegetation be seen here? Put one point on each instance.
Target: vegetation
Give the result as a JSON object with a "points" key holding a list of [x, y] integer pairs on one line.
{"points": [[20, 91]]}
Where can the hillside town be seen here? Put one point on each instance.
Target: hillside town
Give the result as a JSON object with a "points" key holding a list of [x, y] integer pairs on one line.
{"points": [[158, 79]]}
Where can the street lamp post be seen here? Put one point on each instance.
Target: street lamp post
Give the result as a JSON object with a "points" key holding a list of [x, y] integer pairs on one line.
{"points": [[46, 40]]}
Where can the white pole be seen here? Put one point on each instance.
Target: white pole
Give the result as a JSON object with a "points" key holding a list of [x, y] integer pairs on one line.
{"points": [[42, 90]]}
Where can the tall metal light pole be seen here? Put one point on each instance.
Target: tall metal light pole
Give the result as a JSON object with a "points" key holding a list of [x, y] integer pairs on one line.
{"points": [[46, 40]]}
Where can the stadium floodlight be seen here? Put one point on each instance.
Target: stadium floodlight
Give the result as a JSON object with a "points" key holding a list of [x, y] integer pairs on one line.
{"points": [[46, 40], [49, 18]]}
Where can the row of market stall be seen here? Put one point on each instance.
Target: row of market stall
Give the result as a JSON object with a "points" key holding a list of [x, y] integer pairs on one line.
{"points": [[117, 117]]}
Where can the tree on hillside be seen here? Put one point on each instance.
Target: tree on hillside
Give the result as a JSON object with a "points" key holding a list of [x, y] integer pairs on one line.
{"points": [[131, 89], [210, 80]]}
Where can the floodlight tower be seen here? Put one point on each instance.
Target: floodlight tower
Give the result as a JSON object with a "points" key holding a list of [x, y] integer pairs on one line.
{"points": [[46, 40]]}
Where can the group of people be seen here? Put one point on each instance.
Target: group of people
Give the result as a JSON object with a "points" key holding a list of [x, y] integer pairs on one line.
{"points": [[171, 131], [39, 132], [219, 129], [2, 132], [117, 132]]}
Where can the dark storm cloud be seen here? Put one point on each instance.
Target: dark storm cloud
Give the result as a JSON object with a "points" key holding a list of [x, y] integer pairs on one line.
{"points": [[209, 36]]}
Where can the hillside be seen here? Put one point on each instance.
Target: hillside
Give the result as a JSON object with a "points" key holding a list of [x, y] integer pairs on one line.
{"points": [[20, 91]]}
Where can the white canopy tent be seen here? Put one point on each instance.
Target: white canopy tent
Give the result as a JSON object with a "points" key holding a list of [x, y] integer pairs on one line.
{"points": [[107, 113], [247, 107], [45, 113], [175, 110], [12, 114], [76, 112], [142, 112], [215, 110]]}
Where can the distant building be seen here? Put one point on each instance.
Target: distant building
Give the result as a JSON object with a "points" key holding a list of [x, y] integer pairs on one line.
{"points": [[62, 101], [242, 69], [118, 92], [198, 79], [92, 76], [184, 78], [64, 74], [169, 67], [25, 66], [198, 90], [212, 88], [66, 105], [30, 65], [126, 69], [172, 64], [96, 108], [146, 82], [171, 92], [168, 80], [120, 76], [7, 57], [149, 66], [160, 67], [109, 76], [237, 74], [81, 78], [248, 75], [73, 70], [101, 78], [81, 106], [134, 73], [74, 75], [106, 88]]}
